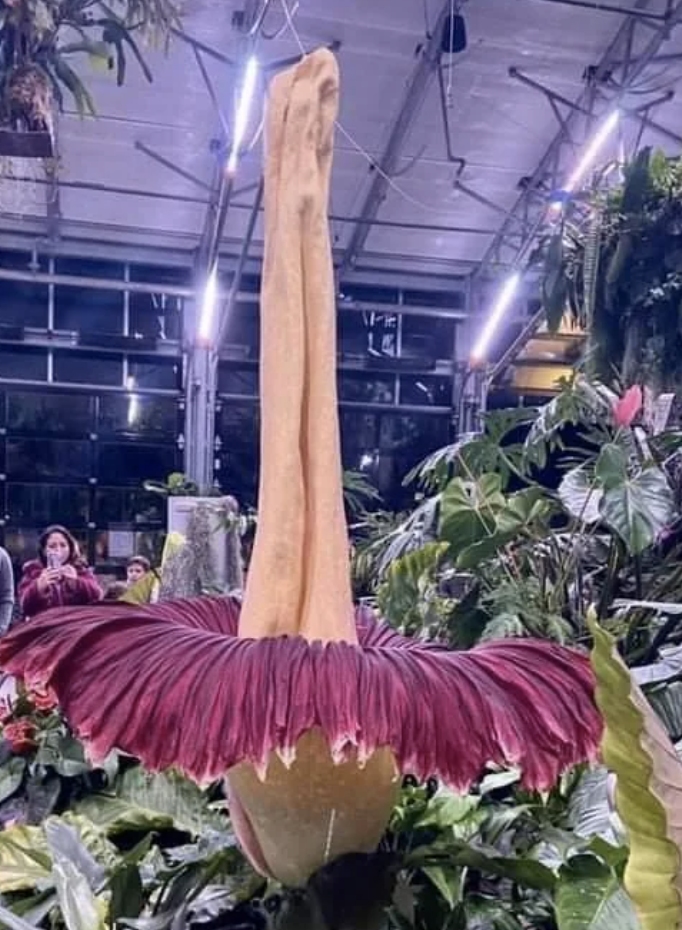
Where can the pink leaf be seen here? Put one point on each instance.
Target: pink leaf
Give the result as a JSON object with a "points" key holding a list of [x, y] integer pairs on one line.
{"points": [[628, 407]]}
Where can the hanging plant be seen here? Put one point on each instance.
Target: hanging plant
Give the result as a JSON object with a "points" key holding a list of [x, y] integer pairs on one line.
{"points": [[616, 268], [39, 40]]}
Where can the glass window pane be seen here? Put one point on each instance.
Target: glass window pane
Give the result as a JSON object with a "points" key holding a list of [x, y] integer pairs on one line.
{"points": [[88, 368], [88, 310], [362, 334], [132, 463], [49, 413], [22, 545], [236, 379], [359, 438], [155, 372], [366, 388], [238, 431], [426, 337], [90, 268], [426, 390], [20, 363], [243, 329], [128, 505], [45, 504], [23, 303], [447, 300], [148, 543], [23, 261], [138, 415], [161, 274], [158, 316], [403, 442], [30, 459]]}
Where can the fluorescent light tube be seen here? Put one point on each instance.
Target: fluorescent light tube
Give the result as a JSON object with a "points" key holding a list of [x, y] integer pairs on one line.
{"points": [[504, 299], [241, 120], [208, 306]]}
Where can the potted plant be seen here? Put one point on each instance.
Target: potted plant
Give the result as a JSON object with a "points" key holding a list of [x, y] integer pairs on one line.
{"points": [[38, 40]]}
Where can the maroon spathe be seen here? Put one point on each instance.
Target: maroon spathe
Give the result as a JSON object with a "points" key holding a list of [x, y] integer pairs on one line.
{"points": [[174, 686]]}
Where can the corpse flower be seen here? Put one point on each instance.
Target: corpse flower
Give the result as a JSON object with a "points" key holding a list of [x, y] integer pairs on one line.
{"points": [[309, 709]]}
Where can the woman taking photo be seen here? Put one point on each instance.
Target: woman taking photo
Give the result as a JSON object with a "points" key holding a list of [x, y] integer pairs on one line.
{"points": [[59, 577]]}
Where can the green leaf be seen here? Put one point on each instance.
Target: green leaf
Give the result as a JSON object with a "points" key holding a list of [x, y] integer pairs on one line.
{"points": [[555, 284], [589, 807], [636, 748], [80, 908], [447, 881], [589, 897], [127, 893], [24, 860], [11, 777], [67, 847], [152, 802], [447, 810], [580, 496], [12, 922], [81, 95], [636, 507]]}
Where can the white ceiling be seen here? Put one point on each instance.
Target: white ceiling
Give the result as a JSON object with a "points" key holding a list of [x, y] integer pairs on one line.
{"points": [[498, 125]]}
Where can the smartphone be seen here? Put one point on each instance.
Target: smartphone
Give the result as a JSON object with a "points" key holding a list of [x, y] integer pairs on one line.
{"points": [[53, 560]]}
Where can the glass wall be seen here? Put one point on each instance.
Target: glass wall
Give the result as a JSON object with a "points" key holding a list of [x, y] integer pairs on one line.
{"points": [[90, 385], [395, 379]]}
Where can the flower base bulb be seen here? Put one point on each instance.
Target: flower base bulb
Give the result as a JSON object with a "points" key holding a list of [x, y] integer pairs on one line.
{"points": [[310, 813]]}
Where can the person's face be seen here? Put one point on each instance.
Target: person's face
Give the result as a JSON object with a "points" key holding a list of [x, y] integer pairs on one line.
{"points": [[135, 572], [57, 549]]}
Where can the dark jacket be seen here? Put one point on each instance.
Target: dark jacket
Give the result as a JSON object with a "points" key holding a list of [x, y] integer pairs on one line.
{"points": [[83, 589]]}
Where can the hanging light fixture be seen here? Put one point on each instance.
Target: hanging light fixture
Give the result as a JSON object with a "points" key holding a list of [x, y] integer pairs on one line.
{"points": [[510, 287], [504, 299], [241, 120], [208, 306]]}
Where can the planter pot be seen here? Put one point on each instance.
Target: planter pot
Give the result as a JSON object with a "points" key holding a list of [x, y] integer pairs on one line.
{"points": [[21, 144], [218, 509]]}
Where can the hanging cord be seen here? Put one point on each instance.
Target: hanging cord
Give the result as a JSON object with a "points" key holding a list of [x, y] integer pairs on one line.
{"points": [[413, 201]]}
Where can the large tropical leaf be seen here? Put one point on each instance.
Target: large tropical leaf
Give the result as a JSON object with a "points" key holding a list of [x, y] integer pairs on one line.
{"points": [[638, 506], [590, 812], [152, 802], [580, 495], [24, 859], [81, 909], [649, 788], [590, 897]]}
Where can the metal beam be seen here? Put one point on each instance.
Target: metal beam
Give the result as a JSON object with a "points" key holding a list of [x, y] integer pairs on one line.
{"points": [[639, 115], [599, 7], [233, 294], [415, 93], [507, 248]]}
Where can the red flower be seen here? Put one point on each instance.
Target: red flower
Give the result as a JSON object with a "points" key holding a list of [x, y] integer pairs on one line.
{"points": [[627, 407], [311, 710], [43, 699], [21, 735]]}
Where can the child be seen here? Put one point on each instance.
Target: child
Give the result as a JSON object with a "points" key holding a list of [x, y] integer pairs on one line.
{"points": [[136, 569]]}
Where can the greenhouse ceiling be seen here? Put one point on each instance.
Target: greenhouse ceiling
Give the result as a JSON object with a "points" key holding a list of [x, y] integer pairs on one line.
{"points": [[443, 160]]}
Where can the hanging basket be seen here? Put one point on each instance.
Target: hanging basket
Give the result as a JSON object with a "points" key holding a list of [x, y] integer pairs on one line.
{"points": [[15, 143]]}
